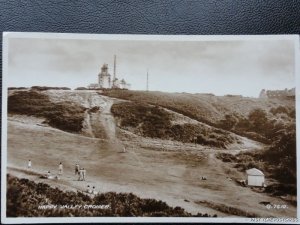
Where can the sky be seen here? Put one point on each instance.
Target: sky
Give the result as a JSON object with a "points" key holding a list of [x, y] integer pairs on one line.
{"points": [[241, 67]]}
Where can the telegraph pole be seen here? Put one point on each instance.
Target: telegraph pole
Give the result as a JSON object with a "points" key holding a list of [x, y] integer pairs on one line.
{"points": [[115, 65], [147, 80]]}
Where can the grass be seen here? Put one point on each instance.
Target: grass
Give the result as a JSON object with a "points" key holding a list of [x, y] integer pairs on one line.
{"points": [[64, 115], [25, 196], [155, 122]]}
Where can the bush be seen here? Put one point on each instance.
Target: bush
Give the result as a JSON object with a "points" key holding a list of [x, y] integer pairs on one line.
{"points": [[16, 88], [81, 88], [281, 189], [278, 110], [226, 157], [45, 88]]}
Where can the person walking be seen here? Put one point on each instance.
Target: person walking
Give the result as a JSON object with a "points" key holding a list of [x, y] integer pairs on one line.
{"points": [[83, 174], [60, 168], [80, 174], [76, 169], [29, 164]]}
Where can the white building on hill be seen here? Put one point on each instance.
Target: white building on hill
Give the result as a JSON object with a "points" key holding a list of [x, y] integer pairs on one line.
{"points": [[106, 81], [255, 177]]}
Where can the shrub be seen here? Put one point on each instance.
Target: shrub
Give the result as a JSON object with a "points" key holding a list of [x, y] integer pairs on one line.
{"points": [[278, 110], [45, 88]]}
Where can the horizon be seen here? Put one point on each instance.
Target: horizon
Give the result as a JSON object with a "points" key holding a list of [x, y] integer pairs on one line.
{"points": [[239, 67], [194, 93]]}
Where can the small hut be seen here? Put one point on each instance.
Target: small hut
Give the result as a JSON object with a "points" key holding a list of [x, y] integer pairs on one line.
{"points": [[255, 177]]}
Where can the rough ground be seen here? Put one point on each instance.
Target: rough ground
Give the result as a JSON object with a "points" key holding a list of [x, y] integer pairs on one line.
{"points": [[164, 170]]}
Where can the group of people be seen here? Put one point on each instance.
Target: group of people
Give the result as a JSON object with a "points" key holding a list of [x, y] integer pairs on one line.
{"points": [[81, 172], [60, 167], [90, 190]]}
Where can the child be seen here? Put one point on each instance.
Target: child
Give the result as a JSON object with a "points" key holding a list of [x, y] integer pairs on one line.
{"points": [[88, 190], [76, 169], [60, 169], [80, 174], [83, 174], [29, 164], [94, 192]]}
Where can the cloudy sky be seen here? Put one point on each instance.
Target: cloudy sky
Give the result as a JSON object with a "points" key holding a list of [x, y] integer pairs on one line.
{"points": [[219, 67]]}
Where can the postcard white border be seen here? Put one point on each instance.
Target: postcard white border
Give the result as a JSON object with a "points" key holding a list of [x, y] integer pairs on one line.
{"points": [[19, 220]]}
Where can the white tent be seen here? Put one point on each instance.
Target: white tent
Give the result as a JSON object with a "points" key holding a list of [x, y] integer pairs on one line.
{"points": [[255, 177]]}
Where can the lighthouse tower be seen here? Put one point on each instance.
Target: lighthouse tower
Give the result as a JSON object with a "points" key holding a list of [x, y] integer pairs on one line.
{"points": [[104, 78]]}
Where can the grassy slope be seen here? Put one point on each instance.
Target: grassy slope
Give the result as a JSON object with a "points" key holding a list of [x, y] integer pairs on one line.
{"points": [[66, 116], [155, 122], [202, 107], [233, 113], [269, 120]]}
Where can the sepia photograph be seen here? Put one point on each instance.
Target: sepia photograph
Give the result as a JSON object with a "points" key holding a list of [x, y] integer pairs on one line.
{"points": [[148, 128]]}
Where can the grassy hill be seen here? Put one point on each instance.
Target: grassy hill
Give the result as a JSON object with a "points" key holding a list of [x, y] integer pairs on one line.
{"points": [[203, 107], [270, 121], [155, 122], [66, 116], [233, 113]]}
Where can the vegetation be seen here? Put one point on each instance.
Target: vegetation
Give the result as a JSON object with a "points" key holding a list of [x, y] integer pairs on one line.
{"points": [[81, 88], [277, 161], [16, 88], [24, 197], [253, 118], [258, 126], [45, 88], [65, 115], [185, 104], [155, 122]]}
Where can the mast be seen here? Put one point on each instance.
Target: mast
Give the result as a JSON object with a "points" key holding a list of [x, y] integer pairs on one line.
{"points": [[147, 87], [115, 68]]}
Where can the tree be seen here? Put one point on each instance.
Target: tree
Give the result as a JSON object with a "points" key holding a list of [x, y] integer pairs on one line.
{"points": [[258, 119], [228, 123]]}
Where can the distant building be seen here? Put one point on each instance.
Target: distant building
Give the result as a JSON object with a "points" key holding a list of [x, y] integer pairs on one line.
{"points": [[263, 94], [255, 177], [124, 85], [93, 86], [105, 81], [279, 94]]}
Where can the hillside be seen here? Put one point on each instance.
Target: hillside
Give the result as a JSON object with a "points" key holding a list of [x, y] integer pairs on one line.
{"points": [[203, 107], [269, 121], [156, 122], [257, 119], [168, 169], [63, 115], [79, 112]]}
